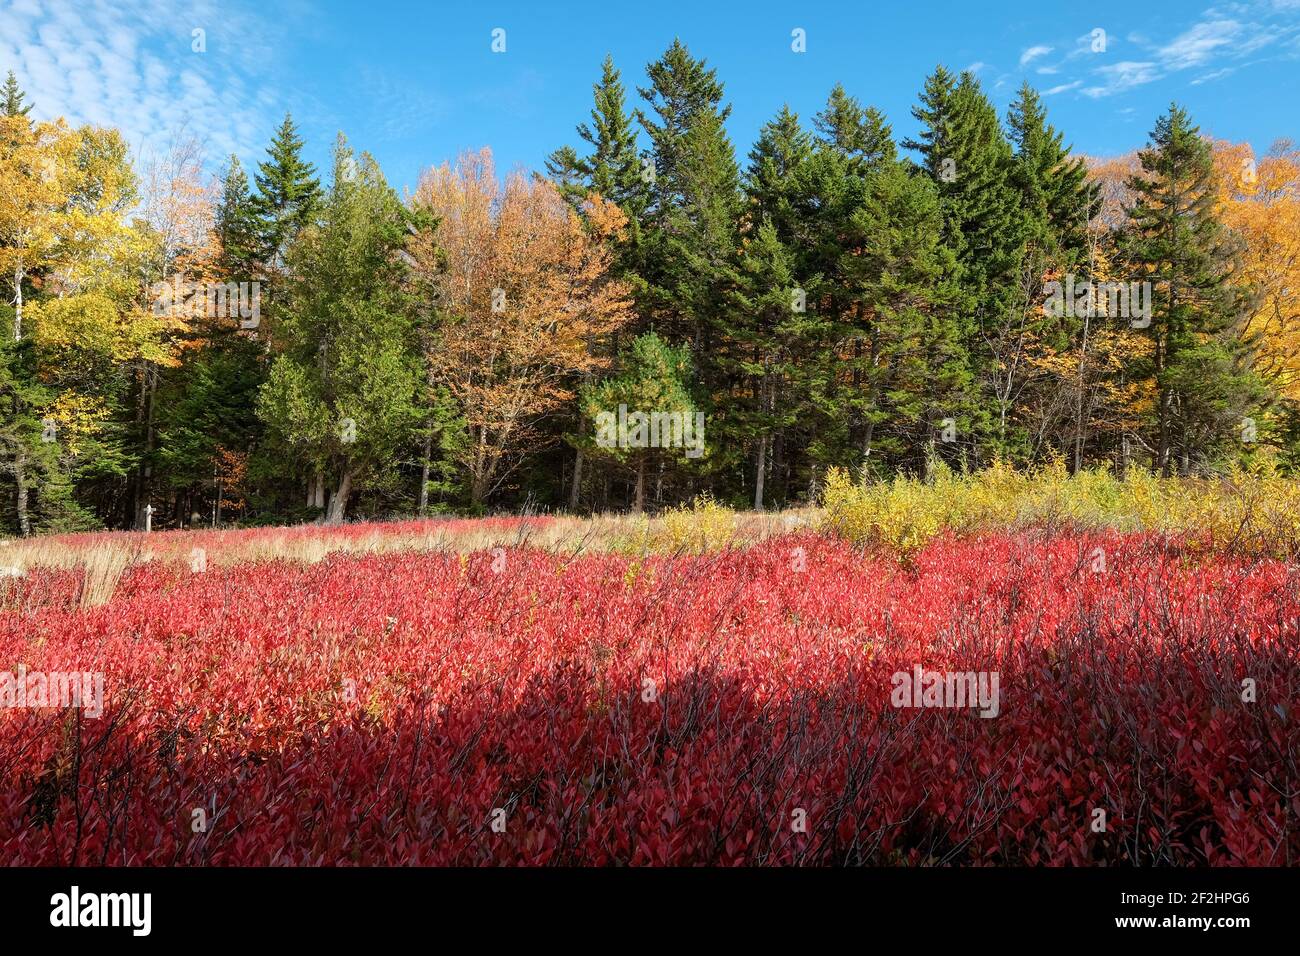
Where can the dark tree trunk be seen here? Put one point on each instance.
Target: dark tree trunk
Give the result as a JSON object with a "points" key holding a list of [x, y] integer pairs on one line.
{"points": [[339, 501], [576, 490], [424, 474]]}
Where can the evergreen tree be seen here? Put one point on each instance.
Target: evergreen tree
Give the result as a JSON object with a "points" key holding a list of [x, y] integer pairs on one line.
{"points": [[208, 410], [966, 155], [569, 173], [288, 191], [1174, 241], [696, 198], [764, 350], [11, 98], [343, 394], [654, 378], [683, 93], [911, 371], [612, 168], [24, 458], [861, 135], [1055, 194], [237, 224], [769, 351], [782, 148]]}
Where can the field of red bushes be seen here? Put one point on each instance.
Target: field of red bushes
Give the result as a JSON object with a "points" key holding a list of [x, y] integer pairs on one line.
{"points": [[727, 708]]}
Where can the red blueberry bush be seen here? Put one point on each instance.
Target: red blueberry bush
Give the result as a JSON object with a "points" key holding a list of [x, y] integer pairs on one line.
{"points": [[730, 708]]}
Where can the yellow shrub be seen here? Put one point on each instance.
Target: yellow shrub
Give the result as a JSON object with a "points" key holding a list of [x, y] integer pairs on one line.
{"points": [[1257, 512], [703, 526]]}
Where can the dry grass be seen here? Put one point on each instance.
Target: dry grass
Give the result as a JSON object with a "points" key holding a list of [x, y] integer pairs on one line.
{"points": [[103, 558], [104, 567]]}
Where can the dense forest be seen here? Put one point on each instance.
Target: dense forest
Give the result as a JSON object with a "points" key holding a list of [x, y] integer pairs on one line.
{"points": [[286, 344]]}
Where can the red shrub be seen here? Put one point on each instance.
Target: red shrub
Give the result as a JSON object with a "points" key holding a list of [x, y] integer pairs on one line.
{"points": [[382, 709]]}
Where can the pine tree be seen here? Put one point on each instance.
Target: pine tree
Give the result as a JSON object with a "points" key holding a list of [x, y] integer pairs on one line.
{"points": [[1174, 241], [859, 134], [967, 156], [288, 191], [653, 378], [613, 166], [237, 224], [11, 98], [342, 396], [1055, 193]]}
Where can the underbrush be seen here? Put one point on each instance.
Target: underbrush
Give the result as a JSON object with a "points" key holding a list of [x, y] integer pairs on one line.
{"points": [[1240, 513]]}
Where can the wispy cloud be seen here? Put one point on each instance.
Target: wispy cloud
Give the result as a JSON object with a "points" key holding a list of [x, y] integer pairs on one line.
{"points": [[1033, 53], [1216, 75], [1196, 46], [1122, 76], [1063, 87], [140, 66], [1218, 43]]}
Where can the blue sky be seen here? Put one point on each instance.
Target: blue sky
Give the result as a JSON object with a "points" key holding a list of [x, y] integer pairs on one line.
{"points": [[416, 82]]}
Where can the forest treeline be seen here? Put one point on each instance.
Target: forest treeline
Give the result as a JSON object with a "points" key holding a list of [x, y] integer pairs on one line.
{"points": [[281, 344]]}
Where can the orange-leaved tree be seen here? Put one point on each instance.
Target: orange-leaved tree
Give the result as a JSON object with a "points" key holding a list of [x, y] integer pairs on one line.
{"points": [[525, 298]]}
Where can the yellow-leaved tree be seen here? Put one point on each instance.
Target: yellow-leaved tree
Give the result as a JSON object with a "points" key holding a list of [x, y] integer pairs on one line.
{"points": [[1259, 199]]}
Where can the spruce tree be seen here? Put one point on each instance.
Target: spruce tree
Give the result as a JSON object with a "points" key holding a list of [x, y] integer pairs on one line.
{"points": [[683, 93], [967, 156], [612, 168], [207, 406], [859, 134], [568, 171], [696, 197], [769, 353], [288, 191], [911, 372], [11, 98], [782, 148], [237, 225], [1174, 241], [1055, 193]]}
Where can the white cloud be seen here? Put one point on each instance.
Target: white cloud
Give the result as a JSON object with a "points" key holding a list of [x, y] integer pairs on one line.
{"points": [[1122, 76], [1063, 87], [1216, 75], [129, 64], [1193, 47], [1229, 34], [1033, 53]]}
